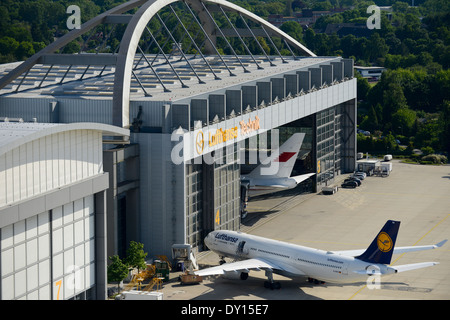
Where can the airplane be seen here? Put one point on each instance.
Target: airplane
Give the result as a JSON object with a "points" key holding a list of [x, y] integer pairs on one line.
{"points": [[257, 253], [276, 177]]}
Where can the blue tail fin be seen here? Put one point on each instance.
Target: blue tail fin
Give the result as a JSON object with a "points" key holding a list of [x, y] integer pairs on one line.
{"points": [[382, 247]]}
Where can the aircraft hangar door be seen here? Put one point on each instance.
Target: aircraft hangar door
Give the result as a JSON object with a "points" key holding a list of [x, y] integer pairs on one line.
{"points": [[226, 188], [194, 204]]}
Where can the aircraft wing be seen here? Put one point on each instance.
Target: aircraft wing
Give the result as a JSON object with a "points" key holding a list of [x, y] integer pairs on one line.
{"points": [[302, 177], [246, 266], [354, 253]]}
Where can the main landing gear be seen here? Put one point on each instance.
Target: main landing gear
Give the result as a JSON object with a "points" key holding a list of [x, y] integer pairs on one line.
{"points": [[315, 281], [270, 284]]}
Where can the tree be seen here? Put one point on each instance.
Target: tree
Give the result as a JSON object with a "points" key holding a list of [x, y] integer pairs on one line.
{"points": [[117, 270], [389, 143], [363, 86], [376, 47], [24, 50], [309, 38], [288, 9], [297, 4], [393, 100], [72, 47], [8, 45], [444, 124], [403, 121], [293, 29], [136, 255]]}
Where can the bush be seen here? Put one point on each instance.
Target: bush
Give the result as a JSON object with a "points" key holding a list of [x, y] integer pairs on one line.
{"points": [[427, 150], [434, 159]]}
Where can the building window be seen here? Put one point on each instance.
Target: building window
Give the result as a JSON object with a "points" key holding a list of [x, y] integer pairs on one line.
{"points": [[325, 122], [194, 205], [50, 255], [226, 188]]}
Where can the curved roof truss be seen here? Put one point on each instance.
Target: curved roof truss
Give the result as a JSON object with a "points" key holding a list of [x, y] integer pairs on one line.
{"points": [[222, 36]]}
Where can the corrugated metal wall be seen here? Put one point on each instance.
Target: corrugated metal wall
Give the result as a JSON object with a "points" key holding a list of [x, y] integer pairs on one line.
{"points": [[152, 112], [82, 110], [162, 197], [26, 108], [49, 163], [68, 110]]}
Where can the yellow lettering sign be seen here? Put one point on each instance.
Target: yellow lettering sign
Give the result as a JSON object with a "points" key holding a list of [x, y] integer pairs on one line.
{"points": [[217, 217], [222, 136], [250, 125], [58, 284], [199, 142]]}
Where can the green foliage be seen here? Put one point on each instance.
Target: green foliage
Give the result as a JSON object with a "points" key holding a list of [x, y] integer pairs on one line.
{"points": [[293, 29], [404, 120], [135, 258], [435, 158], [382, 145], [136, 255], [411, 99], [363, 86], [117, 270]]}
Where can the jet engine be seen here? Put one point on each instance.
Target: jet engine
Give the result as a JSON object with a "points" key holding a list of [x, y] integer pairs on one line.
{"points": [[235, 275]]}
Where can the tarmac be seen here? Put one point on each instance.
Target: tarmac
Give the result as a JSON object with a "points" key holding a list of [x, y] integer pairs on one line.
{"points": [[416, 195]]}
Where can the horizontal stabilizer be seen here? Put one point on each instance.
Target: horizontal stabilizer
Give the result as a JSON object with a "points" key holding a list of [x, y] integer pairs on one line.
{"points": [[413, 266], [419, 248], [377, 272], [397, 250]]}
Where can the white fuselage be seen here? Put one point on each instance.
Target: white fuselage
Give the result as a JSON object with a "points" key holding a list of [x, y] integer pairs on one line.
{"points": [[302, 261]]}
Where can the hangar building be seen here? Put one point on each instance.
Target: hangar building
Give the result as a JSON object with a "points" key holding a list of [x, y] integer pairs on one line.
{"points": [[194, 96], [52, 210]]}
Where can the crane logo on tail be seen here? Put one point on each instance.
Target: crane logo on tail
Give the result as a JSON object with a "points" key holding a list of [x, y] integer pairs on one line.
{"points": [[384, 242]]}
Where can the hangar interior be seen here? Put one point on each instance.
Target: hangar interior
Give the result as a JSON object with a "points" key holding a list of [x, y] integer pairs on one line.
{"points": [[193, 97]]}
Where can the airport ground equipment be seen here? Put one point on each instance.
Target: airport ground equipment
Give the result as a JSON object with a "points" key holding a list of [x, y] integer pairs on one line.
{"points": [[138, 278], [332, 189], [162, 270], [164, 258], [183, 255], [190, 278], [155, 282]]}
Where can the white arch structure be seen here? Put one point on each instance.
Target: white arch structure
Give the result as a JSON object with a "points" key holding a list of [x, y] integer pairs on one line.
{"points": [[129, 44]]}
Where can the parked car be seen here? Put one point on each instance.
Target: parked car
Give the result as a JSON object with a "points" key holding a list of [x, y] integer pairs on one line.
{"points": [[359, 175], [349, 184], [358, 181], [330, 189]]}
